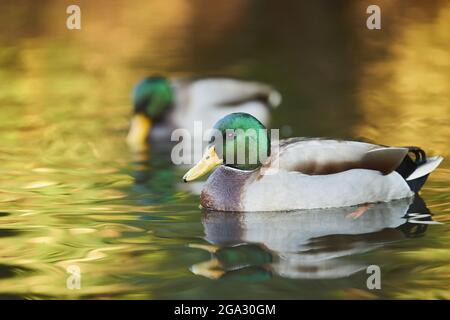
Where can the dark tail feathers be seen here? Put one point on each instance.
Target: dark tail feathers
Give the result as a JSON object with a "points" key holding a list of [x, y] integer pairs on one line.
{"points": [[409, 165]]}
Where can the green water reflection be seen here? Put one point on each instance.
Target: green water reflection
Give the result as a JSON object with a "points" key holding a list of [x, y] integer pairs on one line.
{"points": [[72, 193]]}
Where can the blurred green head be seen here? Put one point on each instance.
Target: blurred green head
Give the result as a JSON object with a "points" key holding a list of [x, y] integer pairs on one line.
{"points": [[152, 98], [239, 141]]}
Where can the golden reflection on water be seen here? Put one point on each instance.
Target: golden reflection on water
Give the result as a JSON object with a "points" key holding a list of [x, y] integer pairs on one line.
{"points": [[71, 192], [405, 98]]}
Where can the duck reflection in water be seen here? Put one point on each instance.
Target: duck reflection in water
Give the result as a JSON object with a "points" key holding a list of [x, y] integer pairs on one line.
{"points": [[305, 244], [154, 177]]}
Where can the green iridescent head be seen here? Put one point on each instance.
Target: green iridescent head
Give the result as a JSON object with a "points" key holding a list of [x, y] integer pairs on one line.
{"points": [[152, 97], [239, 141], [245, 141]]}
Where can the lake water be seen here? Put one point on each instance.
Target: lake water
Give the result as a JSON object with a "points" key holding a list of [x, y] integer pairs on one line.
{"points": [[72, 194]]}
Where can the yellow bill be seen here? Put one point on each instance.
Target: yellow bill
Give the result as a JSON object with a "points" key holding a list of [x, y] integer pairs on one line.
{"points": [[209, 161], [139, 131]]}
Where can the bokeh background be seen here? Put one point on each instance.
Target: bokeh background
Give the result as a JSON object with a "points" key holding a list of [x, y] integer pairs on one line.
{"points": [[71, 192]]}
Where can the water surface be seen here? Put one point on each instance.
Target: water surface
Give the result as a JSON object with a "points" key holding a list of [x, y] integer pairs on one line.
{"points": [[71, 193]]}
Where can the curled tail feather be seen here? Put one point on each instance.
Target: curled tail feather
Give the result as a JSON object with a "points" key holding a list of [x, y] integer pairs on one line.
{"points": [[416, 170]]}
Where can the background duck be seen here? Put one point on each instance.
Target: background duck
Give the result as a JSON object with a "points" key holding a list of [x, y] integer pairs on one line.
{"points": [[303, 173], [162, 104]]}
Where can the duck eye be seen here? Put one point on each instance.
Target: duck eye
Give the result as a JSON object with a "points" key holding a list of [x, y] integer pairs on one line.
{"points": [[213, 138]]}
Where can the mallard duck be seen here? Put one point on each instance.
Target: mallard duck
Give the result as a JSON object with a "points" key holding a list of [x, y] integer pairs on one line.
{"points": [[161, 104], [303, 173]]}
